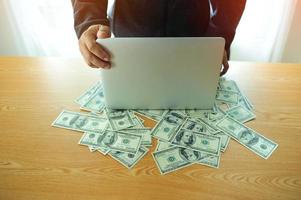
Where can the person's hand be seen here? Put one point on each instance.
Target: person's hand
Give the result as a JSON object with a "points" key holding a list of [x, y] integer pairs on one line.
{"points": [[225, 64], [94, 55]]}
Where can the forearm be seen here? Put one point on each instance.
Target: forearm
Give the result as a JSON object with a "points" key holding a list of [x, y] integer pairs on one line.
{"points": [[87, 13]]}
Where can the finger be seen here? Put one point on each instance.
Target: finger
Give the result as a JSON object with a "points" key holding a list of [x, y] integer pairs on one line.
{"points": [[95, 48], [92, 60], [225, 64], [103, 32]]}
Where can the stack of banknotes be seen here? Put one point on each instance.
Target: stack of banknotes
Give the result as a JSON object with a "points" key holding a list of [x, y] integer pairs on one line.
{"points": [[184, 137]]}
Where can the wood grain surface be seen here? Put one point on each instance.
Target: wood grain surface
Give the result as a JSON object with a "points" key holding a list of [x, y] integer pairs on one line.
{"points": [[38, 161]]}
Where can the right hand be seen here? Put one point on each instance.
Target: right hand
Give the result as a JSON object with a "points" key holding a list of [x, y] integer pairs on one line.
{"points": [[94, 55]]}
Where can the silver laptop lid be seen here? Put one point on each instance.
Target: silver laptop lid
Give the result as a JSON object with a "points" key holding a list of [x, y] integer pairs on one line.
{"points": [[162, 73]]}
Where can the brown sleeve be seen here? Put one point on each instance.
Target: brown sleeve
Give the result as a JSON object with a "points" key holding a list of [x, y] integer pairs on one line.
{"points": [[89, 12], [227, 14]]}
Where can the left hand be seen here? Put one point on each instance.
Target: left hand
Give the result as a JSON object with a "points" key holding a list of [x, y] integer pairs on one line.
{"points": [[225, 64]]}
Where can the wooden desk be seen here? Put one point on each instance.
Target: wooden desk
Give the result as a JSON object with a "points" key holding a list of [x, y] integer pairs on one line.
{"points": [[38, 161]]}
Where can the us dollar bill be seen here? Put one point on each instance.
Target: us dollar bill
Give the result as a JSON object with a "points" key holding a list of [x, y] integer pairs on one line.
{"points": [[196, 113], [171, 159], [89, 93], [208, 160], [138, 123], [241, 114], [169, 125], [197, 141], [103, 150], [80, 122], [91, 139], [95, 103], [119, 119], [227, 96], [156, 115], [129, 160], [202, 127], [119, 141], [199, 126], [225, 139], [175, 158], [249, 138], [161, 145], [144, 132], [228, 85]]}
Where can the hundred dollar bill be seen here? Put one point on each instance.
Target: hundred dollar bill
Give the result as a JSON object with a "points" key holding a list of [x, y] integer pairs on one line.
{"points": [[202, 127], [249, 138], [169, 125], [161, 145], [207, 159], [89, 93], [90, 139], [228, 85], [171, 159], [119, 141], [224, 140], [156, 115], [227, 96], [129, 159], [144, 132], [80, 122], [210, 120], [95, 102], [102, 150], [91, 148], [241, 114], [119, 119], [193, 113], [174, 158], [197, 141], [242, 100], [138, 123], [199, 126]]}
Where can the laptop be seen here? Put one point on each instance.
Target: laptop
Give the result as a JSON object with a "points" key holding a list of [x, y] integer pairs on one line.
{"points": [[162, 73]]}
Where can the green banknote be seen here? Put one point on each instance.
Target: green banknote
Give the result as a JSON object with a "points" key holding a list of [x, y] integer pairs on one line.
{"points": [[249, 138], [169, 125], [128, 159], [120, 141], [80, 122], [210, 144], [89, 93], [241, 114], [119, 119]]}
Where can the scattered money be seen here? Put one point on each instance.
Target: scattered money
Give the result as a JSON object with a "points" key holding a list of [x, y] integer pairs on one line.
{"points": [[240, 114], [169, 125], [119, 141], [227, 96], [119, 119], [95, 103], [155, 115], [171, 159], [184, 137], [91, 139], [210, 144], [247, 137], [128, 159], [84, 98], [80, 122]]}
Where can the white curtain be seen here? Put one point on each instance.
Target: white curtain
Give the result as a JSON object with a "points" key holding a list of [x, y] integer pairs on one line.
{"points": [[263, 30], [45, 28]]}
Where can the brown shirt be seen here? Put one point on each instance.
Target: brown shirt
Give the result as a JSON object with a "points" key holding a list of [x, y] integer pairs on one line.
{"points": [[162, 18]]}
